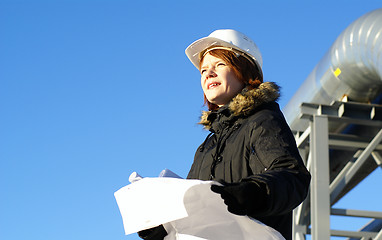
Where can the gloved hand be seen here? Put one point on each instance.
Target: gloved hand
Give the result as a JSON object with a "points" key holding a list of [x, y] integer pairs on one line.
{"points": [[155, 233], [242, 198]]}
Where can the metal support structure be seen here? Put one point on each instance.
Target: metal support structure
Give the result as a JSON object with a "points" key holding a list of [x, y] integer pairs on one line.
{"points": [[319, 192], [346, 174], [378, 158], [341, 145], [379, 236]]}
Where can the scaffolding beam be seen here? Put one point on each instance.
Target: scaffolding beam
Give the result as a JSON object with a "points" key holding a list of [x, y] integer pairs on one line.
{"points": [[341, 145], [320, 215]]}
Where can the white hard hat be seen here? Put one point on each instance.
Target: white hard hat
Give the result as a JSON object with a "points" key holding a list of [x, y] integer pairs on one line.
{"points": [[226, 38]]}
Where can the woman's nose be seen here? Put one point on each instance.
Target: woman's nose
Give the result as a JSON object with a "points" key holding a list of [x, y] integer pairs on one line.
{"points": [[210, 73]]}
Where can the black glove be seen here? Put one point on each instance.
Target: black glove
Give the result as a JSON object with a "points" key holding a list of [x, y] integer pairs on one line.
{"points": [[243, 198], [155, 233]]}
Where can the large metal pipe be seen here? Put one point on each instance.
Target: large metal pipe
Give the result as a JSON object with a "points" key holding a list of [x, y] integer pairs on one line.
{"points": [[352, 67]]}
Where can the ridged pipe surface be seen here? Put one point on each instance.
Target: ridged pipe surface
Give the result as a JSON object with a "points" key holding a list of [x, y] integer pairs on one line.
{"points": [[352, 67]]}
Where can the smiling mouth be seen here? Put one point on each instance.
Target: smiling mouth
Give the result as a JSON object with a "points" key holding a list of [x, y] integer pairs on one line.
{"points": [[213, 85]]}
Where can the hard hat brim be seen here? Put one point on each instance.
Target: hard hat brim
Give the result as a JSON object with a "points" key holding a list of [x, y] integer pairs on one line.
{"points": [[194, 49]]}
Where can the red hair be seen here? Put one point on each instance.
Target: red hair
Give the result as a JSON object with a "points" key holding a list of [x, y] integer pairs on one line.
{"points": [[246, 71]]}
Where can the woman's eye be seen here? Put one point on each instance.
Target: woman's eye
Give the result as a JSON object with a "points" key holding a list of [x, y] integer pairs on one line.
{"points": [[202, 71], [221, 64]]}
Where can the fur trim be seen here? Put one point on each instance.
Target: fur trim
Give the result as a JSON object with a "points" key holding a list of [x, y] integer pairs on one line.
{"points": [[204, 119], [246, 101]]}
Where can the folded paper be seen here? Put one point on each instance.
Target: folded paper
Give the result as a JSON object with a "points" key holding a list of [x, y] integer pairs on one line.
{"points": [[188, 210]]}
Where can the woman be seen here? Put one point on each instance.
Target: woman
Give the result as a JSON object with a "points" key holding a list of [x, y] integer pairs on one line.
{"points": [[250, 149]]}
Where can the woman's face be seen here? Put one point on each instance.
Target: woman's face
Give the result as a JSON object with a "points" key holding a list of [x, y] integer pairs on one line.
{"points": [[218, 80]]}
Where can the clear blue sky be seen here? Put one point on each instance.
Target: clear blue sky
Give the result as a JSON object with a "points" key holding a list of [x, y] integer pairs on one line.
{"points": [[94, 90]]}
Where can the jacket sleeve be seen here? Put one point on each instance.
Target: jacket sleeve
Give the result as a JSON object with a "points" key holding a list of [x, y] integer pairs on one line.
{"points": [[277, 166]]}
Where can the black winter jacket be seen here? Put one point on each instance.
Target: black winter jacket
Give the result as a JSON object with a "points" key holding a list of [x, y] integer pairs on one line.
{"points": [[251, 141]]}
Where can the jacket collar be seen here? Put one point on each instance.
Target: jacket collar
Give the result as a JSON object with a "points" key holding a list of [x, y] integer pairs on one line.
{"points": [[244, 103]]}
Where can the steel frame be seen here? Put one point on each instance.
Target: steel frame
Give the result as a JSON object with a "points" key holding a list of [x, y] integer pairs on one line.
{"points": [[323, 134]]}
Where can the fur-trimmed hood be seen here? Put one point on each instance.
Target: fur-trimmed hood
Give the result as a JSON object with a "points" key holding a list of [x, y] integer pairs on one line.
{"points": [[246, 101]]}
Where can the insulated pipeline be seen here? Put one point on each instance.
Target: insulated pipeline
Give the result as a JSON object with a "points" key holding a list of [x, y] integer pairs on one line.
{"points": [[352, 67]]}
